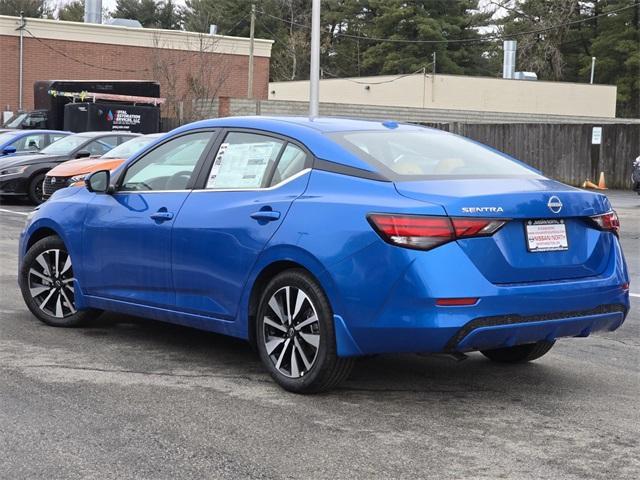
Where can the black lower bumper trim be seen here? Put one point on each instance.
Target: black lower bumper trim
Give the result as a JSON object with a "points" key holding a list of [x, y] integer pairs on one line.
{"points": [[514, 318]]}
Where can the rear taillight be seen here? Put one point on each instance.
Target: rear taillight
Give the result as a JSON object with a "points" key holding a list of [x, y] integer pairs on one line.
{"points": [[424, 233], [608, 222]]}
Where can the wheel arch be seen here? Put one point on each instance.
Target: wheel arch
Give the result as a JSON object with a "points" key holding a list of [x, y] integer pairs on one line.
{"points": [[271, 264], [39, 234], [41, 228], [261, 281]]}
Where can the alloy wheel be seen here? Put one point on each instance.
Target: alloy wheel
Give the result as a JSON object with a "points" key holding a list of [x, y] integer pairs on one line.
{"points": [[291, 332], [39, 192], [51, 283]]}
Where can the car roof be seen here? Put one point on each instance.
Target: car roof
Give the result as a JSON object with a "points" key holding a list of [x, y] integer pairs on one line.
{"points": [[29, 131], [310, 132], [104, 133], [319, 124]]}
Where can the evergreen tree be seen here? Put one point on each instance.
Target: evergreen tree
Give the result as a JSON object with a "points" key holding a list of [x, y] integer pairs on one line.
{"points": [[423, 20], [616, 46], [142, 10], [72, 12], [30, 8], [564, 52], [169, 16]]}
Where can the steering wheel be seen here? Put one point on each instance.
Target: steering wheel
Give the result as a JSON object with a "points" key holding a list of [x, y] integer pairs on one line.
{"points": [[182, 177]]}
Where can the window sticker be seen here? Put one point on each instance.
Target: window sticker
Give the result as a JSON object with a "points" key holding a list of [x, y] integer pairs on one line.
{"points": [[241, 165]]}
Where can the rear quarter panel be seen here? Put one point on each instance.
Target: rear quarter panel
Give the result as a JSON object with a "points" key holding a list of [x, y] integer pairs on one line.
{"points": [[327, 232]]}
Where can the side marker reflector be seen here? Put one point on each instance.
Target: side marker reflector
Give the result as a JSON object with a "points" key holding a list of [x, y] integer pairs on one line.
{"points": [[456, 302]]}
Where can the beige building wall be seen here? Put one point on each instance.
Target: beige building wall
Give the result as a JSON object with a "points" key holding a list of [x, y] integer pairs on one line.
{"points": [[455, 92]]}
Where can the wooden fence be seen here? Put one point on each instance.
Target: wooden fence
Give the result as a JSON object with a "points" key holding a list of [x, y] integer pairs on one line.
{"points": [[562, 151]]}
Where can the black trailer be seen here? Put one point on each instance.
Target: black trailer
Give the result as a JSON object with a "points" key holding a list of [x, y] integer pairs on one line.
{"points": [[93, 117], [52, 96]]}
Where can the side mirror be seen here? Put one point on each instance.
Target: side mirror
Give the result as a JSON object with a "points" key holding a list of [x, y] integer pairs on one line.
{"points": [[99, 182], [83, 154], [9, 150]]}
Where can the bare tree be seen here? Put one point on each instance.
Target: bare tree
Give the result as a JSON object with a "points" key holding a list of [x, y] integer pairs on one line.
{"points": [[191, 80]]}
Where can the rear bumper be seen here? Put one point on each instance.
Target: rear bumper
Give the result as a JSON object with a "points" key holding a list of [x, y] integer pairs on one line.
{"points": [[507, 331], [398, 313]]}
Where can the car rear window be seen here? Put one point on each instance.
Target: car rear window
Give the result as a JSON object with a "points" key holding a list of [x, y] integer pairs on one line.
{"points": [[417, 154]]}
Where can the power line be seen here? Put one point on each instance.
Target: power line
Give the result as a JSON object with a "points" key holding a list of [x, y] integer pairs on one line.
{"points": [[486, 38], [82, 62], [175, 63], [391, 80]]}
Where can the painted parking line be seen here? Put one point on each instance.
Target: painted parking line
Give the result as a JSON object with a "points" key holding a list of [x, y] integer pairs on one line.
{"points": [[634, 295], [17, 213]]}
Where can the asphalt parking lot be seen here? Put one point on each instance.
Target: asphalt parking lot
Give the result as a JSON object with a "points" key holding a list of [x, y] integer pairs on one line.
{"points": [[130, 398]]}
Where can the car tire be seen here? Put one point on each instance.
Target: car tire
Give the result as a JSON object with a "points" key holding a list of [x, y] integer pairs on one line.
{"points": [[36, 190], [297, 343], [48, 287], [518, 353]]}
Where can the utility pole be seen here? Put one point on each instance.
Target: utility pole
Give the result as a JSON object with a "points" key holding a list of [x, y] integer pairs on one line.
{"points": [[593, 68], [251, 44], [433, 77], [314, 71], [23, 23]]}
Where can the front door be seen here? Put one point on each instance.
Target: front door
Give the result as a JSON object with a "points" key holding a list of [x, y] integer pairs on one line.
{"points": [[224, 225], [127, 235]]}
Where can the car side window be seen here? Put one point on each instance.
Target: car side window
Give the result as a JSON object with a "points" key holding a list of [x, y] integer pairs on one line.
{"points": [[100, 146], [54, 137], [244, 160], [167, 167], [30, 143], [292, 161]]}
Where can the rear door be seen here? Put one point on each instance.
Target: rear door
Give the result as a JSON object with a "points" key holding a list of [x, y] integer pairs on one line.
{"points": [[244, 196], [127, 235]]}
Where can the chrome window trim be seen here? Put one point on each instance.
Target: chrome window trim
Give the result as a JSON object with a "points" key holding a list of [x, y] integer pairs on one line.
{"points": [[201, 190]]}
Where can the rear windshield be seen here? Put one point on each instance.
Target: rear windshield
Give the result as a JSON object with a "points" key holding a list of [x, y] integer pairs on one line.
{"points": [[65, 145], [128, 148], [417, 154]]}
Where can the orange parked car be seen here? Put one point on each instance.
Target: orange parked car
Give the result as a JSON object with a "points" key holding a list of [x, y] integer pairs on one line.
{"points": [[73, 172]]}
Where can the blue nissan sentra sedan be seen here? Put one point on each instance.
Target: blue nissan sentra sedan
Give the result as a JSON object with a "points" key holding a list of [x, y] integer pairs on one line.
{"points": [[323, 240]]}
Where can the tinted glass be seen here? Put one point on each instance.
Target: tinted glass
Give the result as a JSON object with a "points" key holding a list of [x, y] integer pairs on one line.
{"points": [[101, 146], [16, 120], [65, 145], [129, 147], [428, 153], [292, 161], [243, 161], [31, 142], [5, 137], [169, 166]]}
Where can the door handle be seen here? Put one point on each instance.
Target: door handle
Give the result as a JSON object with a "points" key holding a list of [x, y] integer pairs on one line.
{"points": [[266, 215], [161, 216]]}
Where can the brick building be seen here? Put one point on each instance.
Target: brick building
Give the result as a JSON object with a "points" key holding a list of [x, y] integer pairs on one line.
{"points": [[188, 65]]}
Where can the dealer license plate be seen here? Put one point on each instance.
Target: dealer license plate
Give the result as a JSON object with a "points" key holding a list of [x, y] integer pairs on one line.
{"points": [[546, 235]]}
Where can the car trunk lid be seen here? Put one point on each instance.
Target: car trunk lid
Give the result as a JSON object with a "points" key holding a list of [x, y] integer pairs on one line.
{"points": [[505, 257]]}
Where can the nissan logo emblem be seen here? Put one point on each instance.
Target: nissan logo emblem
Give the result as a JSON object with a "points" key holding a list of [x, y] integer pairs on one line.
{"points": [[554, 204]]}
